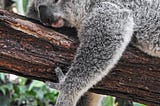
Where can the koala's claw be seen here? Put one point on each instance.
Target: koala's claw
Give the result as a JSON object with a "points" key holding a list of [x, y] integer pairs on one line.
{"points": [[52, 85], [60, 76]]}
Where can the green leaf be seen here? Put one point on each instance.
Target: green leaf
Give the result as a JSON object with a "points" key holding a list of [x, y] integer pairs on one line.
{"points": [[36, 83], [51, 97], [108, 101], [30, 93], [138, 104], [2, 77], [16, 89], [19, 6], [22, 89], [22, 81], [40, 94], [25, 4], [9, 86], [3, 90], [6, 87]]}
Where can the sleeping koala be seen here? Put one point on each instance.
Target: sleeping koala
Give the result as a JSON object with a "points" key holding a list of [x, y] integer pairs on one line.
{"points": [[105, 28]]}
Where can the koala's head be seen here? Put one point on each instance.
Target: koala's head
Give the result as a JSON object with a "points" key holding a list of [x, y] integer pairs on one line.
{"points": [[51, 12]]}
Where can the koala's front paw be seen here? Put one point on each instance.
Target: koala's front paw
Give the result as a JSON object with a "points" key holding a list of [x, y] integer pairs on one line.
{"points": [[60, 76]]}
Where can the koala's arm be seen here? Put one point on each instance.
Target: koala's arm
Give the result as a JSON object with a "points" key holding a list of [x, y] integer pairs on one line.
{"points": [[104, 35]]}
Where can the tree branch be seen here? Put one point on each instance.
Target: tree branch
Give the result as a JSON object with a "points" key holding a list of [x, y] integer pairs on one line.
{"points": [[29, 49]]}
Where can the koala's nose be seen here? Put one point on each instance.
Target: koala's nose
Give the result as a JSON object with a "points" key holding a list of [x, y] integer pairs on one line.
{"points": [[46, 16]]}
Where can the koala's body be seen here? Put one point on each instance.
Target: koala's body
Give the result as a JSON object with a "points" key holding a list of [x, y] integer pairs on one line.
{"points": [[105, 28]]}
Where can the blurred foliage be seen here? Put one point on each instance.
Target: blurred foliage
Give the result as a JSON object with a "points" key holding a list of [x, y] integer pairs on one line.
{"points": [[110, 101], [137, 104], [33, 94], [21, 6]]}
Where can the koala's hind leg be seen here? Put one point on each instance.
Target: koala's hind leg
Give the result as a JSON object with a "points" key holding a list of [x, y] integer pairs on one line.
{"points": [[60, 76], [148, 43]]}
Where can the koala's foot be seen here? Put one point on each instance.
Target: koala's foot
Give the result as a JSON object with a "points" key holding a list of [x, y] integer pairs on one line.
{"points": [[60, 76]]}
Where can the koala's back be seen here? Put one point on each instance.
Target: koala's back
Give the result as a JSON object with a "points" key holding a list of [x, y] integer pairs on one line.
{"points": [[146, 14], [147, 27]]}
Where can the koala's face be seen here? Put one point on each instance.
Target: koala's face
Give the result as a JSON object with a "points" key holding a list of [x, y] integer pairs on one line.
{"points": [[51, 12]]}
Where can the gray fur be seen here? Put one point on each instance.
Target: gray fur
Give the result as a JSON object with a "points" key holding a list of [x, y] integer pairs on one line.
{"points": [[105, 27]]}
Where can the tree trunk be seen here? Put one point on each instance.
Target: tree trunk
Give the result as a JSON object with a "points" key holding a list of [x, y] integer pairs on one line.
{"points": [[31, 50]]}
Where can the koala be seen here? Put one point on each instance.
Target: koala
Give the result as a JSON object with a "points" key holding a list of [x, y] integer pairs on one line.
{"points": [[105, 28]]}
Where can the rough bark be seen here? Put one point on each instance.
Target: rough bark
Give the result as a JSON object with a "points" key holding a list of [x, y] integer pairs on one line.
{"points": [[32, 50]]}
